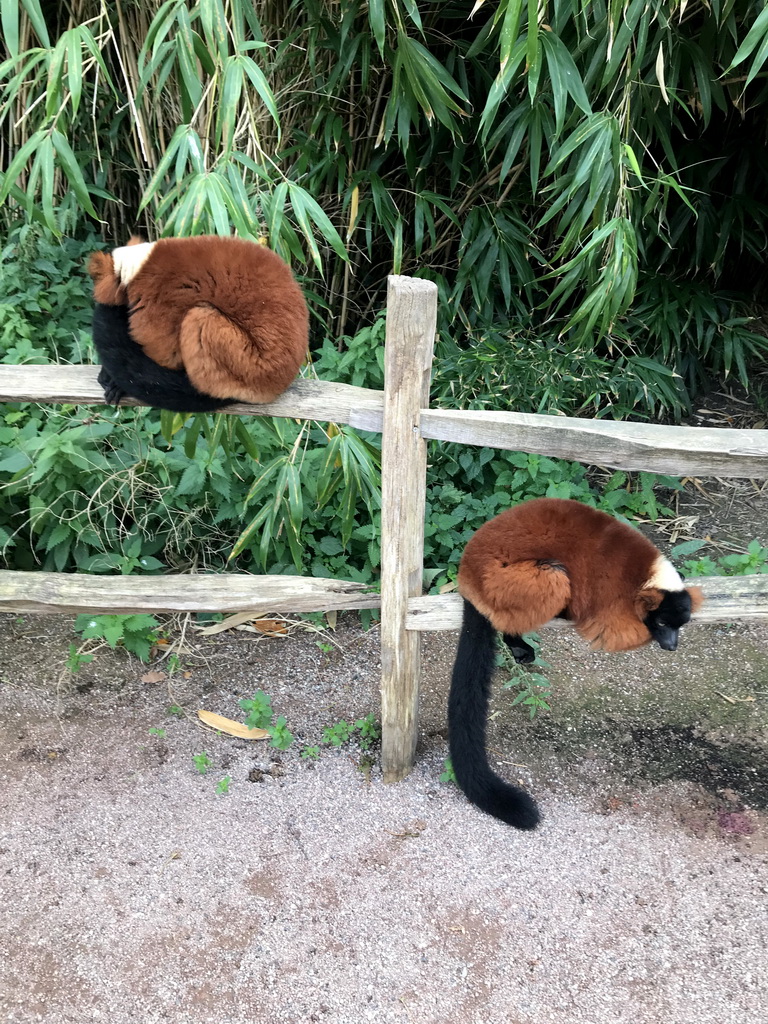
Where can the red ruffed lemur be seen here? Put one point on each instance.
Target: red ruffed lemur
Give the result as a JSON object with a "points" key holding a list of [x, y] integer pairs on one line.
{"points": [[193, 324], [543, 559]]}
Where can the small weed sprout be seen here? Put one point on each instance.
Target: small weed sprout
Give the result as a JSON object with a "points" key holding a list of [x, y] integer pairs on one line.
{"points": [[260, 714], [76, 659], [259, 709], [752, 561], [282, 737], [222, 786], [365, 731], [202, 762], [136, 633], [368, 730], [338, 734], [535, 688]]}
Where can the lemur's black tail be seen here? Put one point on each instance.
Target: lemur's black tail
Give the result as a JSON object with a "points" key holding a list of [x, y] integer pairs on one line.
{"points": [[467, 713], [127, 370]]}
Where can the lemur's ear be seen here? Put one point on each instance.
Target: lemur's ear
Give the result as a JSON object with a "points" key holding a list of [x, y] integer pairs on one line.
{"points": [[648, 601], [697, 597]]}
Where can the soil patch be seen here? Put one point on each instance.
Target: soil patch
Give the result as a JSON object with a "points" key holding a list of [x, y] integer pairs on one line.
{"points": [[134, 891]]}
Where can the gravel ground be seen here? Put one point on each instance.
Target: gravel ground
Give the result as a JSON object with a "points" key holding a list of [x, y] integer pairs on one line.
{"points": [[132, 891]]}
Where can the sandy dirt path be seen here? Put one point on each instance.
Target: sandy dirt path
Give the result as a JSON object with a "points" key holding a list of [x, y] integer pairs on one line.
{"points": [[132, 891]]}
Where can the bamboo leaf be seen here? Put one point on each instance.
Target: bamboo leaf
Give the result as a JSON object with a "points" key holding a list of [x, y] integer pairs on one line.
{"points": [[35, 15], [53, 91], [295, 498], [378, 22], [75, 66], [753, 39], [759, 61], [266, 474], [660, 73], [171, 153], [192, 89], [275, 213], [260, 84], [308, 211], [510, 27], [231, 90], [45, 159], [19, 162], [9, 20], [214, 24], [569, 73]]}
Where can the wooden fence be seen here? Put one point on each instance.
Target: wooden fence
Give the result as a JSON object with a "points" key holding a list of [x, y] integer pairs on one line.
{"points": [[402, 414]]}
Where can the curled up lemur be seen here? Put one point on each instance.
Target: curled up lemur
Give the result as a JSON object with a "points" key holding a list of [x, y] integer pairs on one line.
{"points": [[193, 324]]}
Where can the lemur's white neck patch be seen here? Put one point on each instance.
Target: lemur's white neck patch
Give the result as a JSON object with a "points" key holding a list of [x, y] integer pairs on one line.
{"points": [[664, 576], [129, 259]]}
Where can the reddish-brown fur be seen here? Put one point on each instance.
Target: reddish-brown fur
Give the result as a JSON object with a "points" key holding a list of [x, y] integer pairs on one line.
{"points": [[226, 310], [510, 572]]}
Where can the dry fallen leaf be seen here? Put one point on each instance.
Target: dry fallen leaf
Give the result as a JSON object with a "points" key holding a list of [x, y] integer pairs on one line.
{"points": [[153, 677], [229, 726], [239, 619], [270, 626]]}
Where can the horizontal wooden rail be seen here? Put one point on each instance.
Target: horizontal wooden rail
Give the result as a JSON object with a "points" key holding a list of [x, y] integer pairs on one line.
{"points": [[679, 451], [652, 447], [305, 399], [727, 599], [51, 592]]}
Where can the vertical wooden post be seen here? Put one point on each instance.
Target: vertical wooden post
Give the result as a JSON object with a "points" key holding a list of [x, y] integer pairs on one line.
{"points": [[410, 337]]}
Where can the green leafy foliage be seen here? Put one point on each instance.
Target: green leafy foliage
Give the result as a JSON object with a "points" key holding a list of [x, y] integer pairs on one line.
{"points": [[222, 786], [338, 734], [75, 659], [45, 308], [136, 633], [280, 734], [259, 709], [534, 689], [448, 775], [202, 762], [365, 732], [584, 180], [740, 563], [260, 716]]}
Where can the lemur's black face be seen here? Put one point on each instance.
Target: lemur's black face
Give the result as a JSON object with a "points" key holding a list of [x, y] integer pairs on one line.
{"points": [[665, 621]]}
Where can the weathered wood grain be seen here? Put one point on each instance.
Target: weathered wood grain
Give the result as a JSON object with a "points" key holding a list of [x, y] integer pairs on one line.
{"points": [[679, 451], [51, 592], [727, 599], [305, 399], [411, 321]]}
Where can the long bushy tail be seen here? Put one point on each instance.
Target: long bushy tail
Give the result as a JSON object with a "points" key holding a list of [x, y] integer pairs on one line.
{"points": [[221, 358], [467, 713]]}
